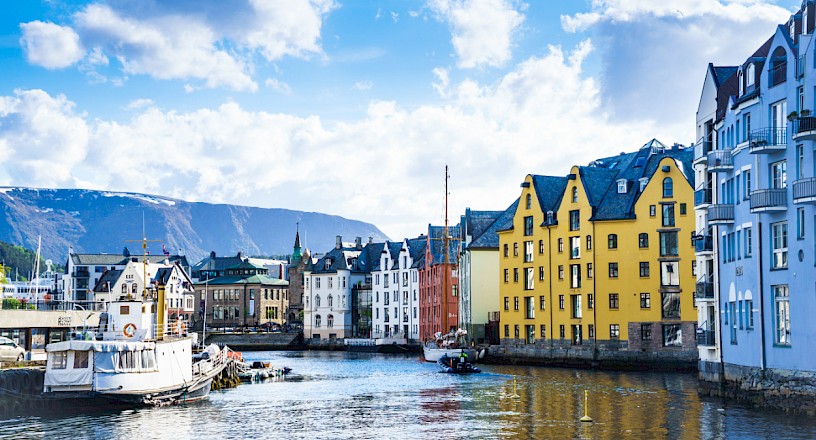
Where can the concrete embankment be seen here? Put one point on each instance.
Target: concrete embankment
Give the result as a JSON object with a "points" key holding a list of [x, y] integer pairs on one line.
{"points": [[592, 357], [258, 341]]}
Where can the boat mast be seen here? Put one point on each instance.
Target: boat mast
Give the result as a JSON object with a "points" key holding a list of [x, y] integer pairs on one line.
{"points": [[445, 267]]}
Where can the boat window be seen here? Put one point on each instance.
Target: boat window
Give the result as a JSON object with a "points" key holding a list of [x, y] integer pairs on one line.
{"points": [[80, 359], [59, 360], [149, 359], [124, 310]]}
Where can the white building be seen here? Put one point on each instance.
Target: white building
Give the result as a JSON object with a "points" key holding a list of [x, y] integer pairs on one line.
{"points": [[395, 286]]}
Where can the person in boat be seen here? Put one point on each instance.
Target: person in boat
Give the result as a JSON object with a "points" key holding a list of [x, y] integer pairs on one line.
{"points": [[463, 357]]}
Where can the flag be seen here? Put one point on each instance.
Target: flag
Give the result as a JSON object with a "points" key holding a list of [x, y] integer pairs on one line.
{"points": [[166, 252]]}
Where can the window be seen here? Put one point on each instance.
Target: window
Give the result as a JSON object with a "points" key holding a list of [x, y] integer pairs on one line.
{"points": [[575, 247], [779, 175], [543, 331], [652, 210], [560, 272], [668, 244], [506, 303], [589, 270], [331, 301], [645, 332], [749, 314], [561, 331], [575, 302], [560, 245], [643, 240], [613, 301], [528, 201], [613, 270], [529, 307], [528, 251], [671, 305], [506, 330], [779, 243], [590, 301], [622, 186], [317, 321], [748, 243], [576, 334], [574, 194], [542, 302], [746, 183], [645, 300], [515, 249], [591, 331], [317, 300], [515, 274], [528, 278], [781, 315], [516, 331], [614, 331], [561, 302], [672, 335], [529, 330], [528, 226], [644, 269], [668, 188], [575, 276], [515, 303], [330, 321], [668, 215], [540, 273], [575, 220], [540, 247], [612, 241], [800, 223], [682, 209], [506, 253], [506, 275], [589, 242]]}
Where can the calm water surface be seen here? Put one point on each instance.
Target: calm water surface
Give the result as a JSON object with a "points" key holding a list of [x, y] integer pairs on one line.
{"points": [[366, 396]]}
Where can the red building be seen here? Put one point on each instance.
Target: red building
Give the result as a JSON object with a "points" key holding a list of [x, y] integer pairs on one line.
{"points": [[438, 279]]}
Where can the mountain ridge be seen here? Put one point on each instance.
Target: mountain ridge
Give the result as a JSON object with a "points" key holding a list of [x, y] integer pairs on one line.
{"points": [[94, 221]]}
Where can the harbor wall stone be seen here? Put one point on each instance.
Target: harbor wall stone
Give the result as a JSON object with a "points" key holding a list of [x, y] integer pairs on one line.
{"points": [[258, 341], [792, 391], [609, 354]]}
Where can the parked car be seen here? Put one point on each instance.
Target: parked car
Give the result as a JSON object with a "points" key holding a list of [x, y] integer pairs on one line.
{"points": [[10, 351]]}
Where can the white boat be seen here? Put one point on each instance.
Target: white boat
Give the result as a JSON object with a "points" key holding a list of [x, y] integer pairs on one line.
{"points": [[449, 344], [132, 358]]}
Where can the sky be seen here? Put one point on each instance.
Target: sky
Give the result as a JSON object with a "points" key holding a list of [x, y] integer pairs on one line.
{"points": [[352, 107]]}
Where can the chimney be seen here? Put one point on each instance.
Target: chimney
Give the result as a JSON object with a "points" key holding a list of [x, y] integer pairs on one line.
{"points": [[339, 243], [358, 242], [240, 255], [370, 240]]}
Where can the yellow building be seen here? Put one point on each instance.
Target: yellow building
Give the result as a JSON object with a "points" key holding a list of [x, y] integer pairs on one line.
{"points": [[603, 258]]}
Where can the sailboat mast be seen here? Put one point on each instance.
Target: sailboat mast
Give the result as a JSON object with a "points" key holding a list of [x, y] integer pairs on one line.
{"points": [[445, 268]]}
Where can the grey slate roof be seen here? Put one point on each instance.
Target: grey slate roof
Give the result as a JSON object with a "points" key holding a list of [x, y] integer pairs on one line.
{"points": [[121, 260], [489, 238], [110, 276], [437, 244], [549, 190], [369, 259], [341, 259]]}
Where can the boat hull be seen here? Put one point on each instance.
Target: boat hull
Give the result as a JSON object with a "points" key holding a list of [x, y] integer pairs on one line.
{"points": [[433, 354]]}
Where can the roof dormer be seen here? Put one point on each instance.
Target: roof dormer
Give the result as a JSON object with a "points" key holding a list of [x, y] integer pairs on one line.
{"points": [[622, 184]]}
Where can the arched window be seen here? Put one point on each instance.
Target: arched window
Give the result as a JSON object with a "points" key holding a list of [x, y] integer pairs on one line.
{"points": [[529, 201], [317, 320], [574, 194], [124, 288], [134, 287], [778, 71], [613, 241], [668, 187], [317, 301], [331, 301], [330, 321]]}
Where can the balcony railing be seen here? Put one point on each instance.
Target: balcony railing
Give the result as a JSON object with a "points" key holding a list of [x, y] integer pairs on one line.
{"points": [[768, 140], [778, 73], [718, 214], [800, 66], [704, 243], [704, 289], [773, 199], [702, 197], [720, 160], [701, 149], [804, 128], [705, 338], [804, 190]]}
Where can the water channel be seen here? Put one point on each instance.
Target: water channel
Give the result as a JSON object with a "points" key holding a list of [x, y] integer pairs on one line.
{"points": [[338, 395]]}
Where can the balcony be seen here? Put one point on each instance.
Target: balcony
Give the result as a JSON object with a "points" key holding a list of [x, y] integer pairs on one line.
{"points": [[704, 244], [804, 128], [720, 160], [769, 200], [804, 190], [704, 289], [701, 150], [721, 214], [767, 140], [705, 338], [778, 72], [702, 197]]}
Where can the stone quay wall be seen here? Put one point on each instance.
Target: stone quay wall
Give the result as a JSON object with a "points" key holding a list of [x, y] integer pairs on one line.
{"points": [[792, 391], [258, 341]]}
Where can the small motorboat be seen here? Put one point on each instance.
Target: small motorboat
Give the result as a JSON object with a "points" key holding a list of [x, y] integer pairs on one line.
{"points": [[456, 365], [258, 371]]}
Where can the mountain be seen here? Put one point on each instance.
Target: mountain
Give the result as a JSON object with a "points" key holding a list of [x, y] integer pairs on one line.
{"points": [[103, 222], [18, 261]]}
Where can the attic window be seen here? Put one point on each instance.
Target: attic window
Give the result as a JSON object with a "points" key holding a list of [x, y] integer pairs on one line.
{"points": [[621, 186], [643, 182], [574, 194], [529, 201], [749, 75], [327, 264]]}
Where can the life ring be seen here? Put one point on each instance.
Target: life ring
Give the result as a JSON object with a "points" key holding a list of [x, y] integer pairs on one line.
{"points": [[129, 330]]}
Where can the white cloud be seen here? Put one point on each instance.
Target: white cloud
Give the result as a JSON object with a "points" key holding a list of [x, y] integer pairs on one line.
{"points": [[139, 104], [50, 45], [654, 53], [491, 135], [482, 30], [443, 79], [363, 86], [215, 44], [278, 86]]}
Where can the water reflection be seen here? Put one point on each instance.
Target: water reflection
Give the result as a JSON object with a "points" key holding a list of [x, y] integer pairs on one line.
{"points": [[362, 396]]}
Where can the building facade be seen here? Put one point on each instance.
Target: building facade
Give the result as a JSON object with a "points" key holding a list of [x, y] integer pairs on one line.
{"points": [[395, 288], [300, 260], [439, 282], [595, 260], [755, 227]]}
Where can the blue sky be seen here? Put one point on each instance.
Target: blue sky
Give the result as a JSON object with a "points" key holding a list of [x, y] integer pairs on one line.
{"points": [[351, 107]]}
